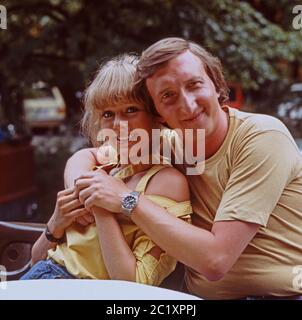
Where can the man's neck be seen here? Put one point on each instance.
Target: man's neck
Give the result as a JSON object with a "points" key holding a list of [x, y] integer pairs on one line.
{"points": [[215, 141]]}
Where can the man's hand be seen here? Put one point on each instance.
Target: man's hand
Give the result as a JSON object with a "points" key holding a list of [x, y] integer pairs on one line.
{"points": [[101, 190]]}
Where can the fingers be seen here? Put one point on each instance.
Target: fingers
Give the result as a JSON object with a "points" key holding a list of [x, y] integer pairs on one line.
{"points": [[76, 213], [85, 219], [82, 221], [82, 184], [86, 193], [65, 192], [72, 205], [89, 217], [68, 197], [85, 180], [89, 202]]}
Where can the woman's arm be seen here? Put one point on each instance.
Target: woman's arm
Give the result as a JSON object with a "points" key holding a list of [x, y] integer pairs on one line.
{"points": [[67, 209], [118, 257], [40, 248], [82, 161], [121, 263], [115, 248], [144, 264]]}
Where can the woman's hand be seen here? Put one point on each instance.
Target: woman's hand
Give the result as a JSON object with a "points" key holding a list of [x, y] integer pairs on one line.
{"points": [[86, 219], [101, 190], [68, 209]]}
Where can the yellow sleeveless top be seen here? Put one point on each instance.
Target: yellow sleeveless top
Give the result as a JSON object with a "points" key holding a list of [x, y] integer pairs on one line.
{"points": [[81, 253]]}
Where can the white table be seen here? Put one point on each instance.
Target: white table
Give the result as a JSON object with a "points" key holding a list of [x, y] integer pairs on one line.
{"points": [[86, 290]]}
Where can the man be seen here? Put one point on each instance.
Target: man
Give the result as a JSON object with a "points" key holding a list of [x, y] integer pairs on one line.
{"points": [[246, 238]]}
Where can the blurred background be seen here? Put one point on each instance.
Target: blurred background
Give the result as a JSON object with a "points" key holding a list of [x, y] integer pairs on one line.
{"points": [[51, 49]]}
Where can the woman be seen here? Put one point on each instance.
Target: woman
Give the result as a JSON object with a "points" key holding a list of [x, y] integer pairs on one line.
{"points": [[113, 247]]}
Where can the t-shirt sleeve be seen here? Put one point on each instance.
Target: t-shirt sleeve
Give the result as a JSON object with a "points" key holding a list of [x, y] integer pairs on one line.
{"points": [[262, 167]]}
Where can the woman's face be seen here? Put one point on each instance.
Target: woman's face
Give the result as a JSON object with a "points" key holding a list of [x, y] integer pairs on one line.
{"points": [[128, 121]]}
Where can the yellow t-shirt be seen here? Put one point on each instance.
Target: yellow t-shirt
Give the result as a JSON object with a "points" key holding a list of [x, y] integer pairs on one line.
{"points": [[255, 176], [81, 253]]}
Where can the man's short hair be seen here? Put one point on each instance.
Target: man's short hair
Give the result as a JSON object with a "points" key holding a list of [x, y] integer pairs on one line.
{"points": [[154, 57]]}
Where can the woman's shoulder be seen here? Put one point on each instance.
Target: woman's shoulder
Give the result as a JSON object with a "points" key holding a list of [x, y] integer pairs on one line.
{"points": [[169, 182]]}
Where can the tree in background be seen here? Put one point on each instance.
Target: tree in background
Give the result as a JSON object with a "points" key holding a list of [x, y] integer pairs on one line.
{"points": [[62, 42]]}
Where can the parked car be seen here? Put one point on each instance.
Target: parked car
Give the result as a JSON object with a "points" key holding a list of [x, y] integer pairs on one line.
{"points": [[44, 107]]}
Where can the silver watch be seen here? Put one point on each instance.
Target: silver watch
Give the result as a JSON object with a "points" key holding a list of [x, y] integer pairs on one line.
{"points": [[129, 202]]}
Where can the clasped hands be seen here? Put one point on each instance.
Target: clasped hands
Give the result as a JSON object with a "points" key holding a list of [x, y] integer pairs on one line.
{"points": [[101, 190], [93, 189]]}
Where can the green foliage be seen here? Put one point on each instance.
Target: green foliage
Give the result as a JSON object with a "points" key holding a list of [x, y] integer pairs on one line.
{"points": [[62, 42]]}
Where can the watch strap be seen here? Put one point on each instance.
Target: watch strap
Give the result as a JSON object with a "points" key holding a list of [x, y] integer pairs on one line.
{"points": [[50, 237]]}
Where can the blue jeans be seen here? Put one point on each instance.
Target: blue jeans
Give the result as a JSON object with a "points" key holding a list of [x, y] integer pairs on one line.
{"points": [[47, 269]]}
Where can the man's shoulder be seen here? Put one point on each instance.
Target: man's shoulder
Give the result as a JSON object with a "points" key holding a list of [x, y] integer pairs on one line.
{"points": [[256, 122], [259, 130]]}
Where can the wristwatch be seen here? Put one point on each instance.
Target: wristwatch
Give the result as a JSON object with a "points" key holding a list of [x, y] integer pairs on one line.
{"points": [[129, 202], [49, 236]]}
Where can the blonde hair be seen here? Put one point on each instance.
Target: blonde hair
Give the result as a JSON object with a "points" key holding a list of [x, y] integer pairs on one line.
{"points": [[112, 85], [166, 49]]}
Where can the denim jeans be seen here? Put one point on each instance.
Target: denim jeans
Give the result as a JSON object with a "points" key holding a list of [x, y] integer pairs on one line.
{"points": [[47, 269]]}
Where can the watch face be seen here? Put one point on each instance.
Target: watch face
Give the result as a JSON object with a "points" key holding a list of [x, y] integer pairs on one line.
{"points": [[129, 202]]}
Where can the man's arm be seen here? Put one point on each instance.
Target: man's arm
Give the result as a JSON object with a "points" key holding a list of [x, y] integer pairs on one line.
{"points": [[210, 253], [81, 162], [258, 179], [259, 176]]}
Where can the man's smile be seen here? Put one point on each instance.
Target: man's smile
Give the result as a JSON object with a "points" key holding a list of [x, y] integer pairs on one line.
{"points": [[194, 117]]}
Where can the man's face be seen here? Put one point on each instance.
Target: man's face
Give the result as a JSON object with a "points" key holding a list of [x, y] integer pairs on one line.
{"points": [[184, 95]]}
